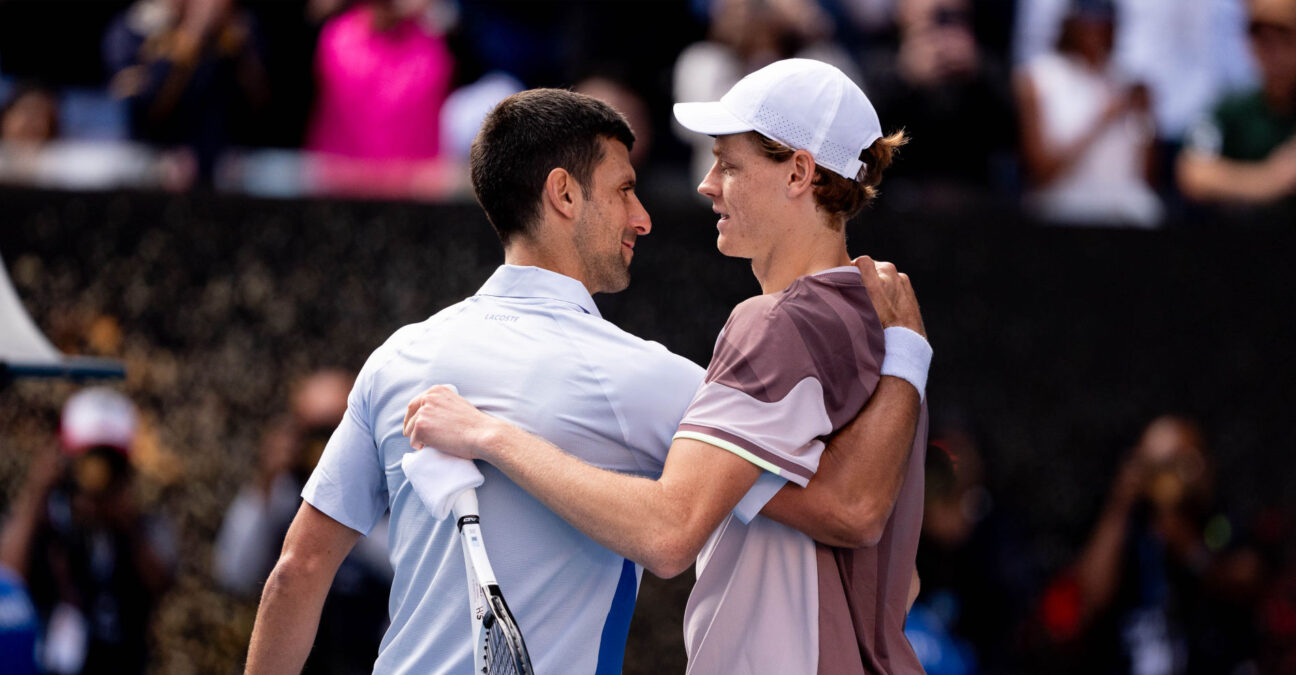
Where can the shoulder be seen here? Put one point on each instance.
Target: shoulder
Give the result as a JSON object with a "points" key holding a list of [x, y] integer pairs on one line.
{"points": [[830, 301], [754, 312], [404, 337], [812, 308], [603, 341]]}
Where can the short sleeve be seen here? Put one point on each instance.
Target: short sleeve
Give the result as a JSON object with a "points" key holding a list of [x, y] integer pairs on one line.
{"points": [[761, 399], [349, 485], [788, 371], [764, 490], [655, 395]]}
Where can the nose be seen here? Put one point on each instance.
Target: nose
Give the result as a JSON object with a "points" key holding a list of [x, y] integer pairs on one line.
{"points": [[639, 219], [710, 185]]}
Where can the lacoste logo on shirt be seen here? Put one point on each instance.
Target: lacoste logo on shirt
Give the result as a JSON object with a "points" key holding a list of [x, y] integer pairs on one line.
{"points": [[507, 318]]}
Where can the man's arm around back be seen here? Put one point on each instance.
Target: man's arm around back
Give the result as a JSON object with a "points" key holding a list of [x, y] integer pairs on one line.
{"points": [[288, 616]]}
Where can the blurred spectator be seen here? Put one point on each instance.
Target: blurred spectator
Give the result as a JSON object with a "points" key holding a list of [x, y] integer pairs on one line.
{"points": [[973, 566], [629, 103], [1160, 587], [951, 98], [355, 612], [32, 152], [743, 36], [1188, 52], [196, 75], [1086, 135], [29, 119], [466, 107], [94, 563], [1246, 151], [383, 73], [127, 33]]}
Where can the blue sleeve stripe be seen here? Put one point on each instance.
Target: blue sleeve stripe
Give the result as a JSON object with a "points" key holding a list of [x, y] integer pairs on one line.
{"points": [[616, 628]]}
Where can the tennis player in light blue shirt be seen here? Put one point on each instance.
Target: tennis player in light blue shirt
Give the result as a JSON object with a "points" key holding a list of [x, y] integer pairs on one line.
{"points": [[551, 169], [531, 347]]}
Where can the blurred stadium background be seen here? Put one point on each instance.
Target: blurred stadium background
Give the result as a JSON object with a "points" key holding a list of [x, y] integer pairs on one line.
{"points": [[189, 209]]}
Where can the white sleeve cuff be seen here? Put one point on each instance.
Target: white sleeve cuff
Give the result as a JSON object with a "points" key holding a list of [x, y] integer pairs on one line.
{"points": [[764, 490], [908, 357]]}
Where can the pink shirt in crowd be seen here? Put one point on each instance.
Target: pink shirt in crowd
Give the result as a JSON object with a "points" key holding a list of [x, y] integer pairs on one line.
{"points": [[380, 93]]}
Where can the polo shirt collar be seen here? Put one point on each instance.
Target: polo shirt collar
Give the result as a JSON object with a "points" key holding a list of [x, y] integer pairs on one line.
{"points": [[516, 281]]}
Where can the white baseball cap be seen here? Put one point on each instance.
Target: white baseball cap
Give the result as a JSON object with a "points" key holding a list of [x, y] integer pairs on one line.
{"points": [[98, 416], [803, 104]]}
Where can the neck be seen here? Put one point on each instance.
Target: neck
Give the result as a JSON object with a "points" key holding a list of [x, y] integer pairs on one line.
{"points": [[800, 254], [532, 251]]}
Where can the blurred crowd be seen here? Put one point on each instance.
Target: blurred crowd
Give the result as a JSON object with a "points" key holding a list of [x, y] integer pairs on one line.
{"points": [[1168, 581], [1131, 113], [1095, 112]]}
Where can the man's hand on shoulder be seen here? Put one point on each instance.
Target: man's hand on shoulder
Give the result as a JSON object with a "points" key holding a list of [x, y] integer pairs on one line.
{"points": [[443, 419], [892, 295]]}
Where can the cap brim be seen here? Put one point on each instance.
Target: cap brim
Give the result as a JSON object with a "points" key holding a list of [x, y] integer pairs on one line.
{"points": [[710, 118]]}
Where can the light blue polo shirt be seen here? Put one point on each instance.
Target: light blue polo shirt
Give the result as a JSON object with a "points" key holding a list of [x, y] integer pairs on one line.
{"points": [[529, 347]]}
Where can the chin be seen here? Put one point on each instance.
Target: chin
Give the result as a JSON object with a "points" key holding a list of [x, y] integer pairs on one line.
{"points": [[729, 248]]}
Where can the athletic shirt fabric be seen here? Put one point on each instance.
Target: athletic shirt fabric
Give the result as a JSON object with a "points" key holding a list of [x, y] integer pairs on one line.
{"points": [[790, 369], [531, 348]]}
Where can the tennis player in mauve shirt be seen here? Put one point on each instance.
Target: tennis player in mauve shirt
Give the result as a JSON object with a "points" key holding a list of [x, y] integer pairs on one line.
{"points": [[799, 151]]}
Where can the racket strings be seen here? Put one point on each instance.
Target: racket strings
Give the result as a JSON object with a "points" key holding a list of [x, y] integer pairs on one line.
{"points": [[500, 656]]}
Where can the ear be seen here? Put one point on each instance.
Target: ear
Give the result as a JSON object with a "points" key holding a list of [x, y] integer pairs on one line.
{"points": [[801, 178], [562, 193]]}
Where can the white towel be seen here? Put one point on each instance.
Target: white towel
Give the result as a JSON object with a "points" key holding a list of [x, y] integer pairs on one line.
{"points": [[438, 478]]}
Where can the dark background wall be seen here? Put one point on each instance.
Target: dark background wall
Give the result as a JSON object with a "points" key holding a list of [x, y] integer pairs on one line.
{"points": [[1054, 345]]}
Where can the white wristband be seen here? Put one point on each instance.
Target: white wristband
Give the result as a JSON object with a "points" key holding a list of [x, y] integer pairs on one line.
{"points": [[908, 356]]}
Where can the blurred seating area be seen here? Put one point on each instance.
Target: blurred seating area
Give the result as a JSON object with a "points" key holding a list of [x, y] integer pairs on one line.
{"points": [[1135, 113]]}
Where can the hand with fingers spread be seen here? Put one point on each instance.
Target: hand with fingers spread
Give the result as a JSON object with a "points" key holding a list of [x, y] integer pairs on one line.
{"points": [[892, 295], [443, 419]]}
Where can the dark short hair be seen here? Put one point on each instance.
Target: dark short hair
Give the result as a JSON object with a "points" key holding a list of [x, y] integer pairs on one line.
{"points": [[528, 135]]}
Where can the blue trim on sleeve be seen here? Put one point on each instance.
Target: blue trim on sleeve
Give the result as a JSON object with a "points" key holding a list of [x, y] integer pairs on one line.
{"points": [[616, 628]]}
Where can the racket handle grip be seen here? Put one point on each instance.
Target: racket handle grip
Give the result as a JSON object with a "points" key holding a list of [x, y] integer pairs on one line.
{"points": [[465, 504]]}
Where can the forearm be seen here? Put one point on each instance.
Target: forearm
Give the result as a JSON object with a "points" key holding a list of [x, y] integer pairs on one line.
{"points": [[659, 524], [1098, 568], [288, 616], [286, 620], [1212, 178], [19, 531], [850, 498]]}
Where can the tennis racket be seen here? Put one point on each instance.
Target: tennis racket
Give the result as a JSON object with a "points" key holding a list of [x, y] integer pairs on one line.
{"points": [[499, 648]]}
